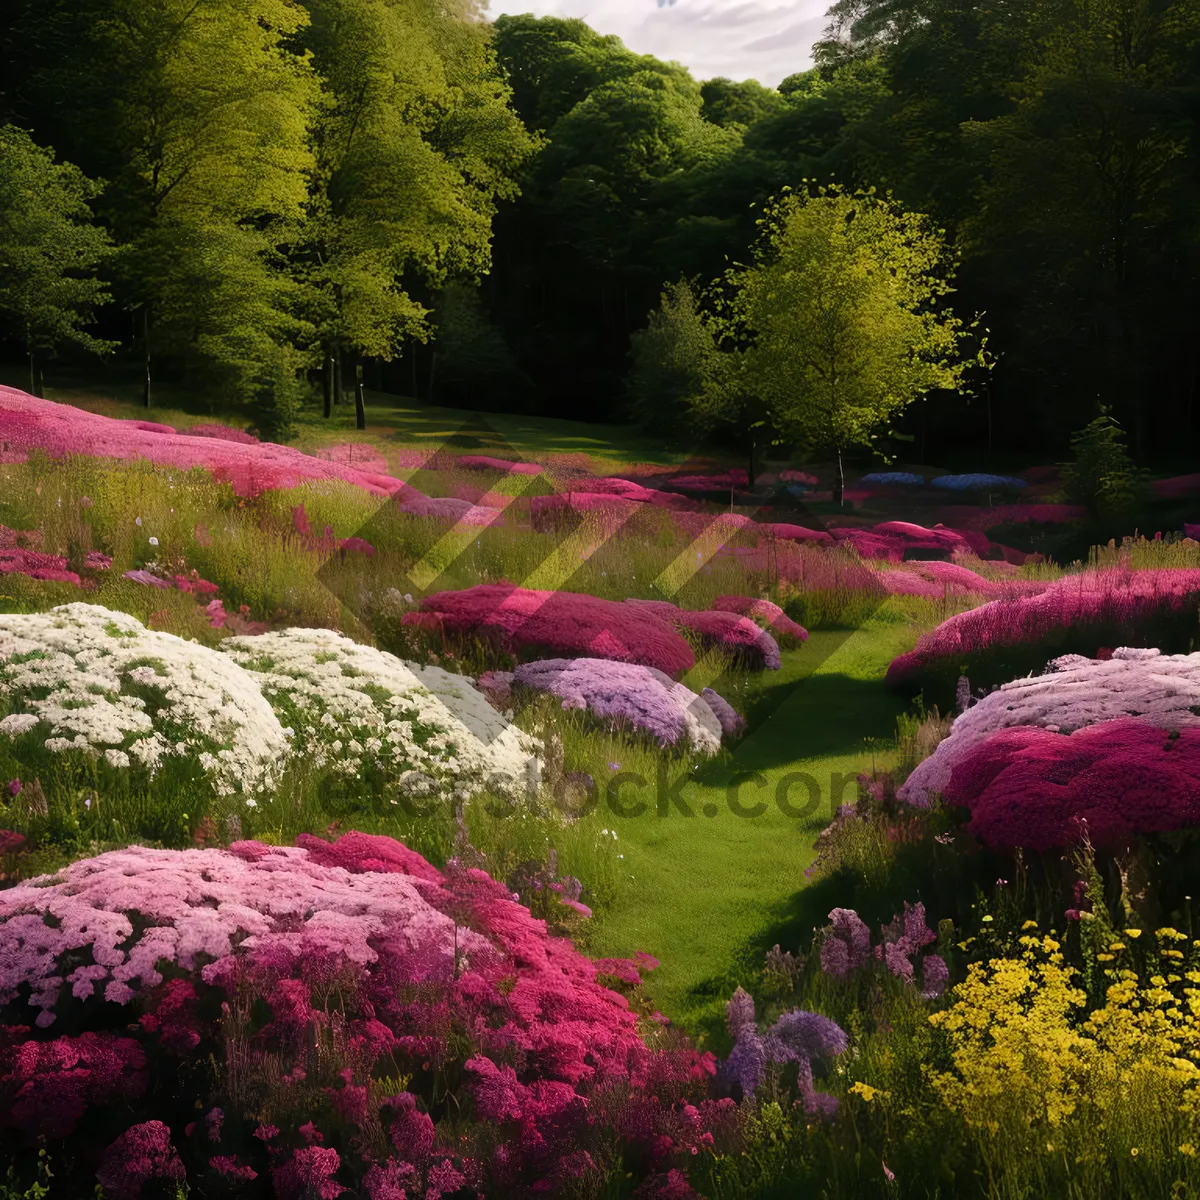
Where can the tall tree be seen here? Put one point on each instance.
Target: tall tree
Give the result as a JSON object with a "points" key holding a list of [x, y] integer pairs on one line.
{"points": [[841, 317], [50, 250], [208, 113], [415, 144]]}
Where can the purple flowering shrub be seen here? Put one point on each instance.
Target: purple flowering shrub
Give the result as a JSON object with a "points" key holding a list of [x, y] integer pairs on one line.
{"points": [[846, 948], [624, 695], [343, 991], [804, 1038]]}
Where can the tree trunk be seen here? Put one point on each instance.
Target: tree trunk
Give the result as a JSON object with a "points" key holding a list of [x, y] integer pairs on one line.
{"points": [[839, 486], [339, 383], [327, 386], [360, 403], [415, 391], [32, 370], [146, 396], [432, 374]]}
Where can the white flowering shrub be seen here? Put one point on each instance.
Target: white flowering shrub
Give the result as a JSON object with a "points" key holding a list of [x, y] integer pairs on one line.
{"points": [[367, 713], [83, 678]]}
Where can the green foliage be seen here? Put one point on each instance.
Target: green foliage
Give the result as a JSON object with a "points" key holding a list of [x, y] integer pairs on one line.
{"points": [[1102, 475], [742, 102], [474, 366], [675, 362], [50, 249], [839, 317]]}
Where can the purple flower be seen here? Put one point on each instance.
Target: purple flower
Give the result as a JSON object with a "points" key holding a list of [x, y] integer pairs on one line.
{"points": [[804, 1035], [848, 946], [739, 1013], [934, 975], [14, 787]]}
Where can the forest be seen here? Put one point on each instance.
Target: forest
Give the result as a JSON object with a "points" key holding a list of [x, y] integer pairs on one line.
{"points": [[255, 196]]}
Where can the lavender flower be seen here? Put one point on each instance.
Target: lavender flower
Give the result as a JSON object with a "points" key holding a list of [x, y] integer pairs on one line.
{"points": [[848, 946]]}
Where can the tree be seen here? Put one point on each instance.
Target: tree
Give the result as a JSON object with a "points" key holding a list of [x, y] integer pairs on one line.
{"points": [[729, 102], [473, 364], [840, 320], [207, 118], [674, 364], [50, 249], [415, 145]]}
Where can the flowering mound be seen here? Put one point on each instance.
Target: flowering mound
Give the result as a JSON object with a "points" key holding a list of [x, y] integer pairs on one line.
{"points": [[82, 678], [765, 613], [560, 624], [978, 483], [628, 694], [366, 712], [546, 511], [1177, 486], [847, 948], [796, 533], [792, 476], [447, 508], [49, 567], [27, 423], [379, 979], [224, 433], [360, 455], [728, 631], [1033, 514], [896, 540], [733, 724], [481, 462], [1038, 789], [626, 489], [892, 479], [1160, 689], [935, 579], [1075, 614], [719, 482]]}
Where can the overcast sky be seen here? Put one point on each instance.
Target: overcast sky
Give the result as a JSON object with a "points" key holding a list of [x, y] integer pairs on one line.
{"points": [[740, 39]]}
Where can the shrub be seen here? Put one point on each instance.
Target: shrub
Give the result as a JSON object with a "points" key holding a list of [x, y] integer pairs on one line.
{"points": [[1161, 689], [729, 632], [420, 1029], [626, 694], [1102, 476], [1076, 614], [766, 613], [373, 716], [83, 679], [1039, 789], [561, 624]]}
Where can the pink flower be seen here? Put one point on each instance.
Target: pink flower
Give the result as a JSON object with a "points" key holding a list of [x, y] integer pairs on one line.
{"points": [[308, 1175], [141, 1154], [231, 1168], [14, 787]]}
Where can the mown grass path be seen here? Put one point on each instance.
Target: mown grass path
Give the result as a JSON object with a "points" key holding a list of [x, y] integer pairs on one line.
{"points": [[710, 894]]}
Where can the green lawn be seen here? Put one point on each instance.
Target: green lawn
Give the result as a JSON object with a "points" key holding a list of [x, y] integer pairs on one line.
{"points": [[711, 894]]}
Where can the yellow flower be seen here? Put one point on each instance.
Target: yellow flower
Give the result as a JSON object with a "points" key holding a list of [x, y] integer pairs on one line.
{"points": [[1117, 946], [1105, 957], [866, 1091], [1029, 925], [1133, 933], [987, 918], [1188, 1149]]}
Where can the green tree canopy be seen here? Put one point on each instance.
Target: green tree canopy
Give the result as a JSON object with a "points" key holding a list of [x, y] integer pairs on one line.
{"points": [[841, 316], [50, 249]]}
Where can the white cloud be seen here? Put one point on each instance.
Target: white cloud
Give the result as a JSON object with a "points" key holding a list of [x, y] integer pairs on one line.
{"points": [[765, 40]]}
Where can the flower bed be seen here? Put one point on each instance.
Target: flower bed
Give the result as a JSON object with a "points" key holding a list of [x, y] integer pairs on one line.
{"points": [[1160, 689], [83, 679], [28, 423], [978, 483], [1040, 789], [892, 479], [728, 631], [367, 713], [558, 624], [766, 613], [1076, 614], [482, 462], [379, 979], [627, 695]]}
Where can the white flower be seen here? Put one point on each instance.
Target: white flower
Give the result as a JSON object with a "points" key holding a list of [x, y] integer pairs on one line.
{"points": [[16, 724], [154, 541], [116, 758], [137, 521]]}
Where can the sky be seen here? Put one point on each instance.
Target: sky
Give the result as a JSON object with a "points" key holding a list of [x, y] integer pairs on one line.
{"points": [[765, 40]]}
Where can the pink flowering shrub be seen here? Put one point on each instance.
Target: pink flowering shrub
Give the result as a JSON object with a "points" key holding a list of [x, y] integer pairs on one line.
{"points": [[796, 533], [447, 508], [1177, 486], [728, 631], [1039, 789], [482, 462], [35, 565], [314, 976], [766, 613], [717, 482], [224, 433], [896, 540], [526, 622], [627, 695], [27, 423], [360, 455], [1076, 614], [626, 489], [1160, 689], [547, 512]]}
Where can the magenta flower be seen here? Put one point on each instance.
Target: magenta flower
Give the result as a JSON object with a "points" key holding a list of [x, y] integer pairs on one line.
{"points": [[141, 1155], [14, 787]]}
